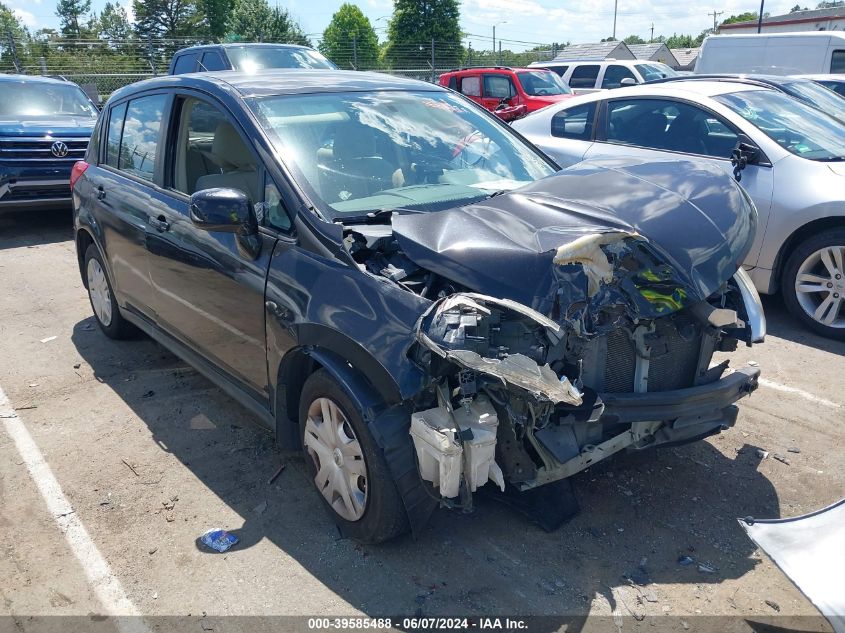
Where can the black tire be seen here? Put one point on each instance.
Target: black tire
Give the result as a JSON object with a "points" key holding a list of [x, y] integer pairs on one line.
{"points": [[117, 328], [830, 237], [384, 515]]}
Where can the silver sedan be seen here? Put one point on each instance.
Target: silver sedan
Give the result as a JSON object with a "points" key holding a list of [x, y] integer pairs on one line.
{"points": [[794, 170]]}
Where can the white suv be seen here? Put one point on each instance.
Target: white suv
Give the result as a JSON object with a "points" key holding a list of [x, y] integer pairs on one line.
{"points": [[585, 76]]}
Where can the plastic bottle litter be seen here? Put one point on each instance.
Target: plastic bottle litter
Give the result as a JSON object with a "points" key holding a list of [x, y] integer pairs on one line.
{"points": [[218, 539]]}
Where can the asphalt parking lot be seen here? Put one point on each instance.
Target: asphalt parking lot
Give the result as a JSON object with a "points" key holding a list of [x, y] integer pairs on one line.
{"points": [[150, 455]]}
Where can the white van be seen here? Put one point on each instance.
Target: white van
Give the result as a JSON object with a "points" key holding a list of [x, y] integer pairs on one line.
{"points": [[773, 54]]}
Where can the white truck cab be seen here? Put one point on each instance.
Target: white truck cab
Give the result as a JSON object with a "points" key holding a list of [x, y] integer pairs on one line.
{"points": [[773, 54]]}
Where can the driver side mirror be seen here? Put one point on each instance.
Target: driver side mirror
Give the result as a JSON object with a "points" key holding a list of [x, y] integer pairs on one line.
{"points": [[628, 81], [745, 153], [228, 211]]}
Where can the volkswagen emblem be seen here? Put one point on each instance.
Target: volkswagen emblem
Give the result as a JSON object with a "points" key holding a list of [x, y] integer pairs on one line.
{"points": [[59, 149]]}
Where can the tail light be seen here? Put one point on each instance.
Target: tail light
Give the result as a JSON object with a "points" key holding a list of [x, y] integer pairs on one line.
{"points": [[79, 168]]}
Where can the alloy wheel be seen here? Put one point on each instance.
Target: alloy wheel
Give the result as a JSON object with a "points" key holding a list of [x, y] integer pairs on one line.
{"points": [[331, 443], [98, 289], [820, 286]]}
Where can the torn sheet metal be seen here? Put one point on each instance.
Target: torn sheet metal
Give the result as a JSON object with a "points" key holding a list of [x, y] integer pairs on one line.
{"points": [[810, 550], [586, 250], [452, 325]]}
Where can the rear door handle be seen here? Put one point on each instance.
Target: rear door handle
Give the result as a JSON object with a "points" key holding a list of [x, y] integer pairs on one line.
{"points": [[160, 223], [101, 193], [282, 313]]}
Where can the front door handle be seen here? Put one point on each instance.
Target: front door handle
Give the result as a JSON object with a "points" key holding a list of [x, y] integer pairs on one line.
{"points": [[160, 223], [280, 312], [101, 193]]}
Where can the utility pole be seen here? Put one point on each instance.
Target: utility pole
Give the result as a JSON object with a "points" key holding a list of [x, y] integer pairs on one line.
{"points": [[760, 18], [715, 14], [615, 5], [652, 32]]}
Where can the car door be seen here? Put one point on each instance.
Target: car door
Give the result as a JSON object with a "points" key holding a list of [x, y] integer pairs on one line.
{"points": [[666, 128], [124, 180], [209, 288], [614, 74], [584, 78], [570, 134], [470, 86], [497, 88]]}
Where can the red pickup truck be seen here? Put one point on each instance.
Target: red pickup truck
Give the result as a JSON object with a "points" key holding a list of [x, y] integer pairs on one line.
{"points": [[508, 92]]}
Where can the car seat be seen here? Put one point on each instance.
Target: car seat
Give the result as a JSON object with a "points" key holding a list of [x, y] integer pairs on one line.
{"points": [[356, 167], [237, 166]]}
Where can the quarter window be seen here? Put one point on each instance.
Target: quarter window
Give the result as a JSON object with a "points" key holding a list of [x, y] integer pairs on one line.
{"points": [[138, 144], [837, 62], [118, 113], [575, 123], [584, 76], [471, 86], [614, 74]]}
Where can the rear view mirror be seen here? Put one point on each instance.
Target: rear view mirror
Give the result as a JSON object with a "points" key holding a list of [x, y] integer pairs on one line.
{"points": [[745, 153], [220, 209], [228, 211]]}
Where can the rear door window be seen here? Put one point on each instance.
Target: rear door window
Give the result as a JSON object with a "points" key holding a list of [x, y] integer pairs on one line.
{"points": [[837, 62], [185, 64], [614, 74], [140, 139], [213, 61], [471, 86], [584, 76], [575, 123], [116, 116]]}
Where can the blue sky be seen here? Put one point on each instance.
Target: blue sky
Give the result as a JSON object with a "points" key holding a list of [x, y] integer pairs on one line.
{"points": [[526, 20]]}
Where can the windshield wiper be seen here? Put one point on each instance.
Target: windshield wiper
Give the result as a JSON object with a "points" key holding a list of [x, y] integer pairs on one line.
{"points": [[499, 193], [833, 159]]}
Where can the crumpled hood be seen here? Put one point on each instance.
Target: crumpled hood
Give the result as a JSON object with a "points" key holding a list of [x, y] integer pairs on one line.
{"points": [[688, 215]]}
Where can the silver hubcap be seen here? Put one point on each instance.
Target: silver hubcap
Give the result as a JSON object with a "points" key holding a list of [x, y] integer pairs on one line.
{"points": [[341, 472], [98, 289], [820, 286]]}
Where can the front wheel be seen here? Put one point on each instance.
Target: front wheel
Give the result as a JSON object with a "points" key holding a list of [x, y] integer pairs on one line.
{"points": [[814, 283], [346, 465]]}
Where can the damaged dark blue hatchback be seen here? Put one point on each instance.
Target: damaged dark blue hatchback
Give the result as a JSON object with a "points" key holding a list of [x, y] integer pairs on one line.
{"points": [[393, 280]]}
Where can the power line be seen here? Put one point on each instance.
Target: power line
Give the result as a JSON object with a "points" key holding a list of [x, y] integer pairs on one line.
{"points": [[715, 14]]}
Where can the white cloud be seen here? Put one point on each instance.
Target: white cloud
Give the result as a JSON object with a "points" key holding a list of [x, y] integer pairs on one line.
{"points": [[26, 18]]}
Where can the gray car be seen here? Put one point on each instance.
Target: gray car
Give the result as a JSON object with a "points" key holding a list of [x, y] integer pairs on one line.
{"points": [[794, 170]]}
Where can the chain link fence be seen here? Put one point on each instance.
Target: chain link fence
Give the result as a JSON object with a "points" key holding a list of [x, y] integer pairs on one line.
{"points": [[102, 66]]}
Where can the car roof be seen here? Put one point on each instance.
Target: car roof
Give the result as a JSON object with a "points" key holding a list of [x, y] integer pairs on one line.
{"points": [[39, 79], [822, 77], [749, 78], [281, 81], [475, 69], [569, 62], [698, 87], [240, 45]]}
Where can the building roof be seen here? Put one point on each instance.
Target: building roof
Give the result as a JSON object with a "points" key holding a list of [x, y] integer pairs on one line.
{"points": [[812, 15], [685, 56], [645, 51], [598, 50]]}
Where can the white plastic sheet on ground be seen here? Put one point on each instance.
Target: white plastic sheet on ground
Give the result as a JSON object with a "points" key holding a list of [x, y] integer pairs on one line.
{"points": [[810, 550]]}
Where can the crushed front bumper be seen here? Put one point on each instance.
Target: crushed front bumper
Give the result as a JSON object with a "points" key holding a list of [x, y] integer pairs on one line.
{"points": [[658, 419]]}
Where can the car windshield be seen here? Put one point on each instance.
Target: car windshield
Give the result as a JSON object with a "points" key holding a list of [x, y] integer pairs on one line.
{"points": [[541, 83], [363, 152], [656, 70], [818, 96], [44, 100], [250, 59], [795, 126]]}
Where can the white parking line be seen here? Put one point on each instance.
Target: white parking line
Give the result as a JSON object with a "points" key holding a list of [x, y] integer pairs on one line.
{"points": [[100, 577], [799, 392]]}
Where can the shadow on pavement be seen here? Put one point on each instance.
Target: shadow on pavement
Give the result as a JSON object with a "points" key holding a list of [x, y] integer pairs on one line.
{"points": [[31, 228], [641, 513], [780, 323]]}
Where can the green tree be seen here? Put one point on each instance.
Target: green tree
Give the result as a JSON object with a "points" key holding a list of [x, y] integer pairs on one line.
{"points": [[748, 16], [9, 23], [114, 23], [609, 39], [634, 39], [830, 4], [349, 40], [797, 8], [217, 13], [415, 23], [168, 18], [257, 21], [71, 14]]}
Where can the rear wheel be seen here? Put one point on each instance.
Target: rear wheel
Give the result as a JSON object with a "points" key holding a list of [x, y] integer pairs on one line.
{"points": [[814, 283], [102, 299], [346, 465]]}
